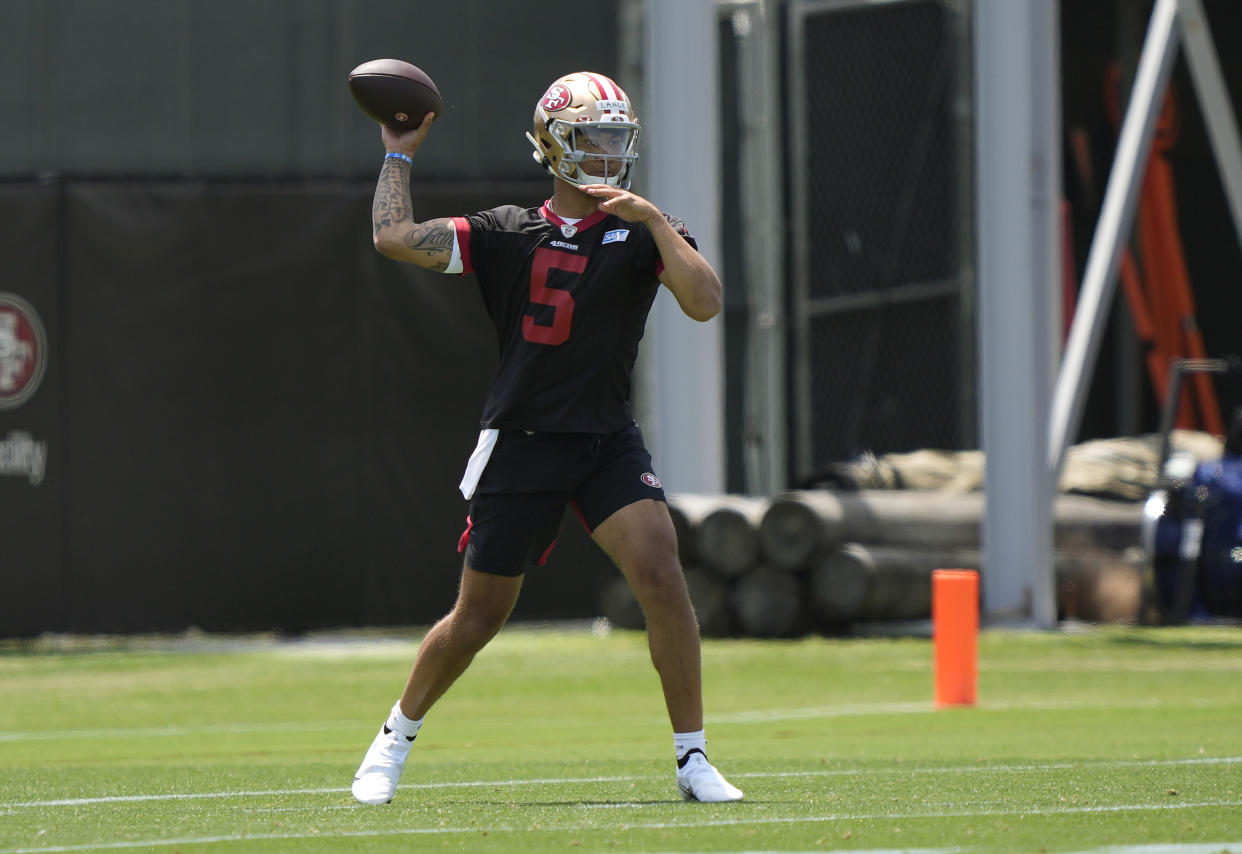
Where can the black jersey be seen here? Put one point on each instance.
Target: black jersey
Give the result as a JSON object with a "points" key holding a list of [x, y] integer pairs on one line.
{"points": [[569, 304]]}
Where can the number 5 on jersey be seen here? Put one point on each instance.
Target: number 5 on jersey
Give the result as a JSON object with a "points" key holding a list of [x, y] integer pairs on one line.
{"points": [[561, 300]]}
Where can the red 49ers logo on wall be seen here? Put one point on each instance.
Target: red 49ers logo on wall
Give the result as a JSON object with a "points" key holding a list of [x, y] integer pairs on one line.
{"points": [[23, 351], [556, 98]]}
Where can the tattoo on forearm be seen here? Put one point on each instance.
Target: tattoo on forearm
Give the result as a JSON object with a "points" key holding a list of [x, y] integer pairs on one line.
{"points": [[431, 237], [435, 238], [392, 208], [392, 195]]}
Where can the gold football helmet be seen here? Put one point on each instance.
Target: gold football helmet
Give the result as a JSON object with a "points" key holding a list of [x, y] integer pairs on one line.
{"points": [[585, 131]]}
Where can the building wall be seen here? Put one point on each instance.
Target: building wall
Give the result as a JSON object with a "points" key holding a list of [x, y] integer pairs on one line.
{"points": [[236, 88]]}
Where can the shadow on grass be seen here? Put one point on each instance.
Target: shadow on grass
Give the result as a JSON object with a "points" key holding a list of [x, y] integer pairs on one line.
{"points": [[1216, 636]]}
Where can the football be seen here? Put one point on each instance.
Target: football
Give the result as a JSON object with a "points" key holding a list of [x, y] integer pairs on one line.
{"points": [[395, 93]]}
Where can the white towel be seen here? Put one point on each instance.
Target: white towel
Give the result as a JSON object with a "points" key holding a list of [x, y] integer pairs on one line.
{"points": [[478, 462]]}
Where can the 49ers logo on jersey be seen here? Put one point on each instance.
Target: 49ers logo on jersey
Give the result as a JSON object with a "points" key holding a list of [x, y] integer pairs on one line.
{"points": [[23, 351], [650, 479], [556, 98]]}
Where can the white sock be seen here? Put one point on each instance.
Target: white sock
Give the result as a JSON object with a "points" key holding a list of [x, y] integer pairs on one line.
{"points": [[400, 723], [684, 742]]}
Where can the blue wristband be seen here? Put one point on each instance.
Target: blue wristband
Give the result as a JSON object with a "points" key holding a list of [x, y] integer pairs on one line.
{"points": [[397, 155]]}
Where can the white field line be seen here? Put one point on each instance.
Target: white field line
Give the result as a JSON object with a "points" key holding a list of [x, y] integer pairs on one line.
{"points": [[846, 851], [1168, 848], [1154, 848], [556, 781], [183, 730], [628, 826], [334, 790], [914, 708], [754, 716]]}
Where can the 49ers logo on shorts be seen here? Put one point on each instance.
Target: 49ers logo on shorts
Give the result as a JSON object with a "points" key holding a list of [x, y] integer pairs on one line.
{"points": [[23, 351], [650, 479], [556, 98]]}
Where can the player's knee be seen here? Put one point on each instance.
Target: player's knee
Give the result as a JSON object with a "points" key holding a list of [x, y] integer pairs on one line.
{"points": [[657, 579], [659, 550], [475, 625]]}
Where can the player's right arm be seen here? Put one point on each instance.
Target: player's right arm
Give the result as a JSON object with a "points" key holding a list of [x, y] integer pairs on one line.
{"points": [[395, 233]]}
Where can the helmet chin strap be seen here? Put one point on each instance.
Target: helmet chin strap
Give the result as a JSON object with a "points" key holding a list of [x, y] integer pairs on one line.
{"points": [[585, 177]]}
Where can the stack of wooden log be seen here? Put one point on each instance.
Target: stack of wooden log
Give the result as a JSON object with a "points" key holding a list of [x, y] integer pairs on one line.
{"points": [[827, 560]]}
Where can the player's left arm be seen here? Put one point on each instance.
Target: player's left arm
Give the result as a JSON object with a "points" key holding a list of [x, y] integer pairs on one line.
{"points": [[686, 273]]}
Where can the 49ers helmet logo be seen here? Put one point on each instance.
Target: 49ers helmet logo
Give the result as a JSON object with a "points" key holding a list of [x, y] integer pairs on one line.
{"points": [[23, 351], [650, 479], [556, 98]]}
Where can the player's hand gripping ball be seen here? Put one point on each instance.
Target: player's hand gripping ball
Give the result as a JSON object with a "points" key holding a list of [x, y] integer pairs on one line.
{"points": [[395, 93]]}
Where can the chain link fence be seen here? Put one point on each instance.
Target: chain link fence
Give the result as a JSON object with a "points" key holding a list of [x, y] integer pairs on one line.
{"points": [[878, 165]]}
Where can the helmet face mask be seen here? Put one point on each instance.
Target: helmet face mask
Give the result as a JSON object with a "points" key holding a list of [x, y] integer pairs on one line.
{"points": [[596, 152], [585, 132]]}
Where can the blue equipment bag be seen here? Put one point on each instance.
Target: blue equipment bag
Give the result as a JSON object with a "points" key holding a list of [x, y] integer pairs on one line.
{"points": [[1216, 491]]}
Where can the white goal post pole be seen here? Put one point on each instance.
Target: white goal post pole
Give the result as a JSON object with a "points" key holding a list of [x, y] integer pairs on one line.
{"points": [[1112, 231], [685, 375], [1217, 109], [1018, 191]]}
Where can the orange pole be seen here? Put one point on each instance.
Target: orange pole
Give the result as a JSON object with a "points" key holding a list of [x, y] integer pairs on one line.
{"points": [[955, 635], [1156, 274], [1164, 212], [1136, 295]]}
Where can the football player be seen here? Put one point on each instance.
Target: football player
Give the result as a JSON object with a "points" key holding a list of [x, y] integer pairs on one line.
{"points": [[568, 285]]}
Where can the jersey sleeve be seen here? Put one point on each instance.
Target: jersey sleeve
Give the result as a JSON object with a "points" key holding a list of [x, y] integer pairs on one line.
{"points": [[479, 236], [461, 247]]}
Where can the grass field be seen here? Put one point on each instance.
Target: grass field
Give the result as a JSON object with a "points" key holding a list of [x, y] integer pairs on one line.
{"points": [[1104, 740]]}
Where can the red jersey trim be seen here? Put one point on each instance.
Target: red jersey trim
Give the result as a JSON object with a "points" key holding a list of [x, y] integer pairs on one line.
{"points": [[463, 242], [581, 225]]}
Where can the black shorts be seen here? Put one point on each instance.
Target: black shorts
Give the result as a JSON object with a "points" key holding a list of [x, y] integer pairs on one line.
{"points": [[517, 507]]}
